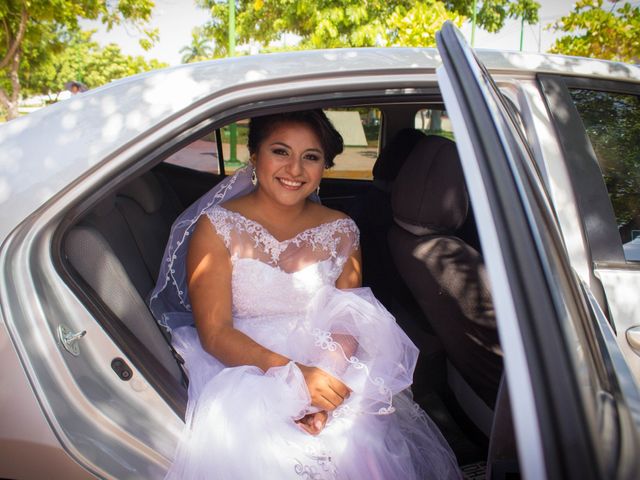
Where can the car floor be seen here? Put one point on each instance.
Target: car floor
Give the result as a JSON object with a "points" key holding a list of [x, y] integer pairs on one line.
{"points": [[468, 444]]}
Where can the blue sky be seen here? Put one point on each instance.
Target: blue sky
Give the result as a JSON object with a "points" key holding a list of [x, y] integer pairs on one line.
{"points": [[176, 18]]}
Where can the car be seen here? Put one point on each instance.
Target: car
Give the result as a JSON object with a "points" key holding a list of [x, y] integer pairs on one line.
{"points": [[547, 148]]}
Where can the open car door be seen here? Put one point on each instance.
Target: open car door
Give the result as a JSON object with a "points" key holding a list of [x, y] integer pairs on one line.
{"points": [[573, 400]]}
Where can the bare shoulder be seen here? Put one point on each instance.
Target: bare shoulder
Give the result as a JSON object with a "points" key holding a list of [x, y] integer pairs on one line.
{"points": [[239, 204], [204, 233], [324, 214]]}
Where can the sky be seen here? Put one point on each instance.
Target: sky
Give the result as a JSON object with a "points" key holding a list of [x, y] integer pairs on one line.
{"points": [[176, 18]]}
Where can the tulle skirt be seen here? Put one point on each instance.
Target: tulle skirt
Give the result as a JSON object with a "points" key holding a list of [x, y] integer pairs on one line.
{"points": [[240, 421]]}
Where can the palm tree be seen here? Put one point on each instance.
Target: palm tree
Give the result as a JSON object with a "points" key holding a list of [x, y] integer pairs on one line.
{"points": [[199, 48]]}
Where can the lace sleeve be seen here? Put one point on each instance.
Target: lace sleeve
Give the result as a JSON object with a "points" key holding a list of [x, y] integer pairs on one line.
{"points": [[221, 223], [348, 241]]}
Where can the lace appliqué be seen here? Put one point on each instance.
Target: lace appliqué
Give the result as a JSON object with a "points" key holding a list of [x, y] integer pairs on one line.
{"points": [[324, 237], [324, 340], [323, 470]]}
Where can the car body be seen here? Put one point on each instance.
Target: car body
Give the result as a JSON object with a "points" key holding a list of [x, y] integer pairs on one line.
{"points": [[564, 293]]}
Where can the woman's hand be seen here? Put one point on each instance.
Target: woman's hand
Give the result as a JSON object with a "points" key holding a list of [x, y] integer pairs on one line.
{"points": [[313, 423], [327, 392]]}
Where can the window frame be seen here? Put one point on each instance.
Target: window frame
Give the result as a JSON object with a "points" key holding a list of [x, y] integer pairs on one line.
{"points": [[592, 197]]}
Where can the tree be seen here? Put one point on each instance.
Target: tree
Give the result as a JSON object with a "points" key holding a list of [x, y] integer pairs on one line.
{"points": [[49, 74], [85, 61], [598, 32], [109, 63], [200, 48], [33, 30], [417, 26], [491, 14], [329, 24], [352, 23]]}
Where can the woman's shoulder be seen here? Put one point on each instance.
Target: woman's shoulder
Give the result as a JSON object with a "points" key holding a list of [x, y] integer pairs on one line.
{"points": [[342, 228], [338, 222], [239, 204], [323, 214]]}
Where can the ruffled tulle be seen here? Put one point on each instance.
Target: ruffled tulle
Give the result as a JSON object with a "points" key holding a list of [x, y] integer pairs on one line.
{"points": [[352, 336], [241, 421]]}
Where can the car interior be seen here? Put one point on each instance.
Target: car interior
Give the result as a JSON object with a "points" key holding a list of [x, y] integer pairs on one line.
{"points": [[404, 187]]}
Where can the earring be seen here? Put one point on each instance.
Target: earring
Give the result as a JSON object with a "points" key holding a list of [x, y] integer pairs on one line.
{"points": [[254, 177], [318, 191]]}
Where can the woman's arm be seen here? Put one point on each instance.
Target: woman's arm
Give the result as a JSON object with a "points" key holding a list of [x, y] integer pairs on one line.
{"points": [[351, 277], [209, 284]]}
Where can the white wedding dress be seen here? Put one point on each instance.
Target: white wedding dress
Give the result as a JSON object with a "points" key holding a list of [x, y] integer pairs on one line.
{"points": [[240, 421]]}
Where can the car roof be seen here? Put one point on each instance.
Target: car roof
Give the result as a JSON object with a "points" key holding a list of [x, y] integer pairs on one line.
{"points": [[46, 150]]}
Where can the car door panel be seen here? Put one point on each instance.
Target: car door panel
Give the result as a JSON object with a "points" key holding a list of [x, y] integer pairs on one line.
{"points": [[613, 279], [556, 378], [622, 286]]}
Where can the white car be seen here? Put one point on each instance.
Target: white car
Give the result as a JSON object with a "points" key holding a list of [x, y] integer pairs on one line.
{"points": [[549, 148]]}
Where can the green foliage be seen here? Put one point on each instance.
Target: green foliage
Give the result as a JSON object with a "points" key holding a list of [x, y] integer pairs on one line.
{"points": [[200, 48], [352, 23], [50, 72], [33, 32], [595, 31], [492, 14], [109, 63], [82, 60], [327, 23], [417, 26]]}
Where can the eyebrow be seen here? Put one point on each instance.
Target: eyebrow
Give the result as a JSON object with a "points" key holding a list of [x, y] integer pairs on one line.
{"points": [[307, 150]]}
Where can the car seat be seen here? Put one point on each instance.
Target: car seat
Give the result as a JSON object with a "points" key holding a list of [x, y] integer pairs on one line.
{"points": [[372, 213], [436, 253]]}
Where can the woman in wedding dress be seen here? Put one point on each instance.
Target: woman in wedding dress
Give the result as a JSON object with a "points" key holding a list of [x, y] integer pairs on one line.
{"points": [[294, 370]]}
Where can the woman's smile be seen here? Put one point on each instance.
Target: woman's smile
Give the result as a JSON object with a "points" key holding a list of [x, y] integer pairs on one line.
{"points": [[289, 164], [290, 184]]}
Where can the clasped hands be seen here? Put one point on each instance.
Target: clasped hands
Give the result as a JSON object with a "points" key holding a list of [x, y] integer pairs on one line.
{"points": [[327, 393]]}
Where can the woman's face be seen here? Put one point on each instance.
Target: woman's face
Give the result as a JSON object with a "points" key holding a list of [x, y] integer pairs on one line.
{"points": [[289, 163]]}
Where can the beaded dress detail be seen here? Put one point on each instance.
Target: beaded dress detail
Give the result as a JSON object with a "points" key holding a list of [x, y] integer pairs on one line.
{"points": [[240, 421]]}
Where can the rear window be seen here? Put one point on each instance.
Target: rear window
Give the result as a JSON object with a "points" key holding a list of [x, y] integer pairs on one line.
{"points": [[434, 121], [360, 130], [201, 155]]}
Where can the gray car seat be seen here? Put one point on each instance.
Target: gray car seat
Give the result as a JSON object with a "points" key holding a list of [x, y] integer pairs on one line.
{"points": [[116, 249], [446, 273], [372, 213]]}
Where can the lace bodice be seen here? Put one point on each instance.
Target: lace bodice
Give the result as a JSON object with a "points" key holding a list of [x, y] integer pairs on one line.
{"points": [[272, 277]]}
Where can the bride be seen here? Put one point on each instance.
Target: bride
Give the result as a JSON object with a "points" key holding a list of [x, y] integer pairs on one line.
{"points": [[294, 370]]}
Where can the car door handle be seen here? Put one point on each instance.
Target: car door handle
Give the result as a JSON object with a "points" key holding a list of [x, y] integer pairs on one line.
{"points": [[633, 338]]}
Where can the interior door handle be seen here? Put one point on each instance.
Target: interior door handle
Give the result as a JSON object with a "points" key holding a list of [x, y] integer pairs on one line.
{"points": [[633, 338]]}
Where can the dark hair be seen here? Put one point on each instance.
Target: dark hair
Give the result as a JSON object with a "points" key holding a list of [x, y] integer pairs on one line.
{"points": [[330, 139]]}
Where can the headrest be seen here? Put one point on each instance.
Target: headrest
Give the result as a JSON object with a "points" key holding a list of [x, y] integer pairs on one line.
{"points": [[429, 196], [394, 154], [146, 191], [104, 207]]}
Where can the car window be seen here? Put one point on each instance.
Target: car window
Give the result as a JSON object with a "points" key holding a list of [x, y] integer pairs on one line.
{"points": [[201, 155], [612, 122], [434, 122], [234, 145], [360, 130]]}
